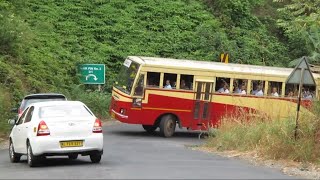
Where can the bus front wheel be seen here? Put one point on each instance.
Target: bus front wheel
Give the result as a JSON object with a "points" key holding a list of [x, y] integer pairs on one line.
{"points": [[149, 128], [167, 126]]}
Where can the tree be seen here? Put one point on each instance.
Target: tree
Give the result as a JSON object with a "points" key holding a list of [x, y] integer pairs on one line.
{"points": [[301, 18]]}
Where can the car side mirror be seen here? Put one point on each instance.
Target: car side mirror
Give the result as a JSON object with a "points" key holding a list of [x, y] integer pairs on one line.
{"points": [[15, 110], [12, 122]]}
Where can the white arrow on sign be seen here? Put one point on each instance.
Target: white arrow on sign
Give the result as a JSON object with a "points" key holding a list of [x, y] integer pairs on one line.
{"points": [[94, 77]]}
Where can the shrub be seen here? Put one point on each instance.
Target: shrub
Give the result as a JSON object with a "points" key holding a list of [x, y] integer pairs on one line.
{"points": [[271, 138]]}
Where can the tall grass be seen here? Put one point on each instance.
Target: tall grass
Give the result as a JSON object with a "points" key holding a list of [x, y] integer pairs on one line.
{"points": [[271, 138]]}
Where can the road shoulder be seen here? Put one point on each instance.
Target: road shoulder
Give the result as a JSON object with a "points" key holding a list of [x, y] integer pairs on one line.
{"points": [[298, 169]]}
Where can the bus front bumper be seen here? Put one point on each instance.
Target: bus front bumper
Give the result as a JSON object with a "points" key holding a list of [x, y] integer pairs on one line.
{"points": [[118, 116]]}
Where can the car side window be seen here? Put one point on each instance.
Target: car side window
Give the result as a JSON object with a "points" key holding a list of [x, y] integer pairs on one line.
{"points": [[20, 121], [29, 115]]}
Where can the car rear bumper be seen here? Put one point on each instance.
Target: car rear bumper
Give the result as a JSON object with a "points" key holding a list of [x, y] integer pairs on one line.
{"points": [[48, 145]]}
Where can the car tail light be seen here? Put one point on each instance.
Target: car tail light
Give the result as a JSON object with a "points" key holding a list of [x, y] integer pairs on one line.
{"points": [[43, 129], [97, 127]]}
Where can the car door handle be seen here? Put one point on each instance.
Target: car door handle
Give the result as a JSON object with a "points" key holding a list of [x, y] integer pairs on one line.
{"points": [[26, 127]]}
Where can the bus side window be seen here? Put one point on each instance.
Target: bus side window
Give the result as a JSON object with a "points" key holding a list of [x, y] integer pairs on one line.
{"points": [[240, 86], [291, 90], [275, 89], [257, 88], [308, 92], [170, 81], [138, 90], [223, 85], [153, 79], [186, 82]]}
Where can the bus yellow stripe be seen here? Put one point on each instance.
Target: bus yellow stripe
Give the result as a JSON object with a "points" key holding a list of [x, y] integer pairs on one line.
{"points": [[164, 109]]}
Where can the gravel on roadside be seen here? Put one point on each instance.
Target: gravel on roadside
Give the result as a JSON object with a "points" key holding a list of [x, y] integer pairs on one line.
{"points": [[303, 170]]}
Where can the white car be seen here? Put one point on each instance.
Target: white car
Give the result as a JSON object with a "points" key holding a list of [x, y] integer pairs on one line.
{"points": [[56, 128]]}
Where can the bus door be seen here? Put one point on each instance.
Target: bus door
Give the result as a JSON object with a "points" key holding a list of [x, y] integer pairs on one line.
{"points": [[201, 110]]}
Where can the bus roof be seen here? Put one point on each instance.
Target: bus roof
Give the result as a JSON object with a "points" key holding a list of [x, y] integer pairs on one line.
{"points": [[214, 66]]}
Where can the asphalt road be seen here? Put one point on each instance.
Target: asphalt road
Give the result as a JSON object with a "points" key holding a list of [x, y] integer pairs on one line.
{"points": [[130, 153]]}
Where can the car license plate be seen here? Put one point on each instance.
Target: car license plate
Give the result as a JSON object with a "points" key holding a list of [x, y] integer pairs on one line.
{"points": [[65, 144]]}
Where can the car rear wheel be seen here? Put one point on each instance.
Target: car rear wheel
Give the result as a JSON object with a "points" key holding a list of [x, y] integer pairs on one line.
{"points": [[14, 157], [149, 128], [167, 126], [32, 159], [73, 156], [95, 158]]}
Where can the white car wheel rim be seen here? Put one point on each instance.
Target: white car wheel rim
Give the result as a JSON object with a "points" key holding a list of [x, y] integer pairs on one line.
{"points": [[11, 150]]}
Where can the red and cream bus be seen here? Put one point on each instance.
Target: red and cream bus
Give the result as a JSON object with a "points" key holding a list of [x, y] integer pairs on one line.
{"points": [[165, 93]]}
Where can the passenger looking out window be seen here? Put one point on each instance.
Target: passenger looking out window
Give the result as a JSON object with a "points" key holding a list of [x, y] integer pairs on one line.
{"points": [[274, 89], [221, 89], [307, 94], [226, 88], [169, 81], [240, 86], [259, 91], [223, 85], [254, 88], [186, 82], [243, 89], [237, 90], [257, 88], [290, 93], [183, 84], [274, 92], [168, 85]]}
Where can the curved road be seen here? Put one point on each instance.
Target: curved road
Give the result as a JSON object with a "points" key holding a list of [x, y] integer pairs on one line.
{"points": [[130, 153]]}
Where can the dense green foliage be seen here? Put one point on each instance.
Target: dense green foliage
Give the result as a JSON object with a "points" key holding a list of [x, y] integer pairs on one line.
{"points": [[41, 42], [300, 20]]}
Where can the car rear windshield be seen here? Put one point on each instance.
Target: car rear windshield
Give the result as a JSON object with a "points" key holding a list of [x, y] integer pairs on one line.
{"points": [[64, 111], [27, 102]]}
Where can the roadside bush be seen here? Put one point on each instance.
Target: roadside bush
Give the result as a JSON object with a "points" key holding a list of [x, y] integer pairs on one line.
{"points": [[5, 113], [272, 139]]}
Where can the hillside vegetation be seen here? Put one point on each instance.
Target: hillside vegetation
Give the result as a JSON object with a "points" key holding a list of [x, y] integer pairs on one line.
{"points": [[42, 42]]}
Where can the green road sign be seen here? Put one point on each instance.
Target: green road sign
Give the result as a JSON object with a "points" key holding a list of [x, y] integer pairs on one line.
{"points": [[92, 73]]}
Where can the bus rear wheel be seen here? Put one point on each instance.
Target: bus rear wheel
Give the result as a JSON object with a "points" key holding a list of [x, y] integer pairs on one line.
{"points": [[167, 126], [149, 128]]}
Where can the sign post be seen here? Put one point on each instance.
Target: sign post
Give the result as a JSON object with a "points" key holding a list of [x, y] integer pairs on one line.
{"points": [[92, 74], [301, 75]]}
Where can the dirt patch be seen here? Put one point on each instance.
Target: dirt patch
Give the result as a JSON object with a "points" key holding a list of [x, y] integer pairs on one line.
{"points": [[292, 168]]}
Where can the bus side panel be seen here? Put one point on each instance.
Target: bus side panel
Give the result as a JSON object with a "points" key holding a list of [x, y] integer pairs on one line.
{"points": [[172, 102]]}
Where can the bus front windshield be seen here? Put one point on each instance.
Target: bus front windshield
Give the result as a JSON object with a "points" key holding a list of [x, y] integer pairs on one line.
{"points": [[127, 75]]}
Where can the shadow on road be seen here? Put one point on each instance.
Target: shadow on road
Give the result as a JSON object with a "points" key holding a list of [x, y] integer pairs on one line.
{"points": [[177, 135], [53, 162]]}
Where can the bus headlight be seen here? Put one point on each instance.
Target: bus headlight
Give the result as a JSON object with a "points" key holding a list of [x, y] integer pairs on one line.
{"points": [[137, 102], [122, 111]]}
